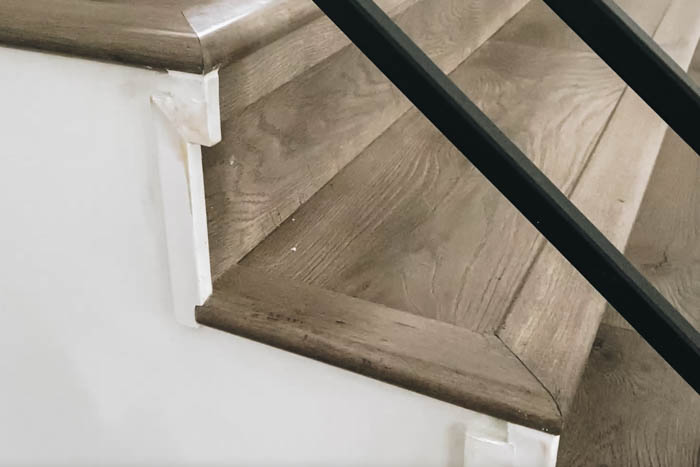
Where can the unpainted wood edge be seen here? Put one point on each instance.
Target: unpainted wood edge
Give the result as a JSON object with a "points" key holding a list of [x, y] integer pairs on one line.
{"points": [[217, 313]]}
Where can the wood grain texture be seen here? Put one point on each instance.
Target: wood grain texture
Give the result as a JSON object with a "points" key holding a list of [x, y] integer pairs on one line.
{"points": [[282, 149], [257, 23], [665, 240], [435, 359], [195, 36], [646, 14], [554, 319], [252, 76], [632, 409], [411, 224], [142, 34], [230, 29]]}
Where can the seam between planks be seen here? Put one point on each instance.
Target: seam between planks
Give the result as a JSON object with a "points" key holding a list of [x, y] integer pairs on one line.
{"points": [[544, 387]]}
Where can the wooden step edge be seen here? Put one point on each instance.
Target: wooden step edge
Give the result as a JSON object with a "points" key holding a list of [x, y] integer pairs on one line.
{"points": [[553, 322], [203, 36], [445, 362], [267, 25], [135, 34]]}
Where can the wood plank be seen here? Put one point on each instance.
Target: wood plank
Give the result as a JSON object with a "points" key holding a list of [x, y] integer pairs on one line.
{"points": [[187, 35], [231, 29], [255, 75], [264, 25], [144, 34], [410, 223], [435, 359], [282, 149], [646, 14], [665, 240], [632, 409], [553, 321]]}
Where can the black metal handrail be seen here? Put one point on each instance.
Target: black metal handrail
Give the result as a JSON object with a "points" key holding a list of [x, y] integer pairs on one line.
{"points": [[520, 181]]}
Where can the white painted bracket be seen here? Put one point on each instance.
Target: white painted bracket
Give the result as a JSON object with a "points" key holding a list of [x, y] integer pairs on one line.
{"points": [[187, 117], [504, 444]]}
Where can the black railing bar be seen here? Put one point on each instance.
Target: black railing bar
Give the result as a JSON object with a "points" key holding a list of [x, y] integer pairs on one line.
{"points": [[520, 181], [638, 60]]}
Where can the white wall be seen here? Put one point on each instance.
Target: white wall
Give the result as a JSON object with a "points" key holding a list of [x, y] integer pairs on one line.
{"points": [[94, 369]]}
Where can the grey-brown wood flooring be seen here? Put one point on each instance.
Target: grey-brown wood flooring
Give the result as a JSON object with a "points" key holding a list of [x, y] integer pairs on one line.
{"points": [[632, 409], [410, 223]]}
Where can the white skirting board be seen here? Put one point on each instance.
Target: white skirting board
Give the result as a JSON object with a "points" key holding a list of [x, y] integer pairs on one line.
{"points": [[187, 116], [103, 235]]}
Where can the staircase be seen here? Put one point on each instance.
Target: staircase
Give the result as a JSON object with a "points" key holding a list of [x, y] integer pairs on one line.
{"points": [[344, 227], [287, 135]]}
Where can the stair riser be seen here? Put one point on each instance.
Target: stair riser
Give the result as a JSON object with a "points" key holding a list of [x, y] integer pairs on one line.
{"points": [[280, 150], [250, 77]]}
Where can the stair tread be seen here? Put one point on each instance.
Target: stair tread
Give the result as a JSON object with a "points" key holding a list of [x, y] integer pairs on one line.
{"points": [[194, 36], [146, 34], [411, 225], [280, 150], [252, 76], [433, 358], [665, 239], [624, 373], [609, 193]]}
